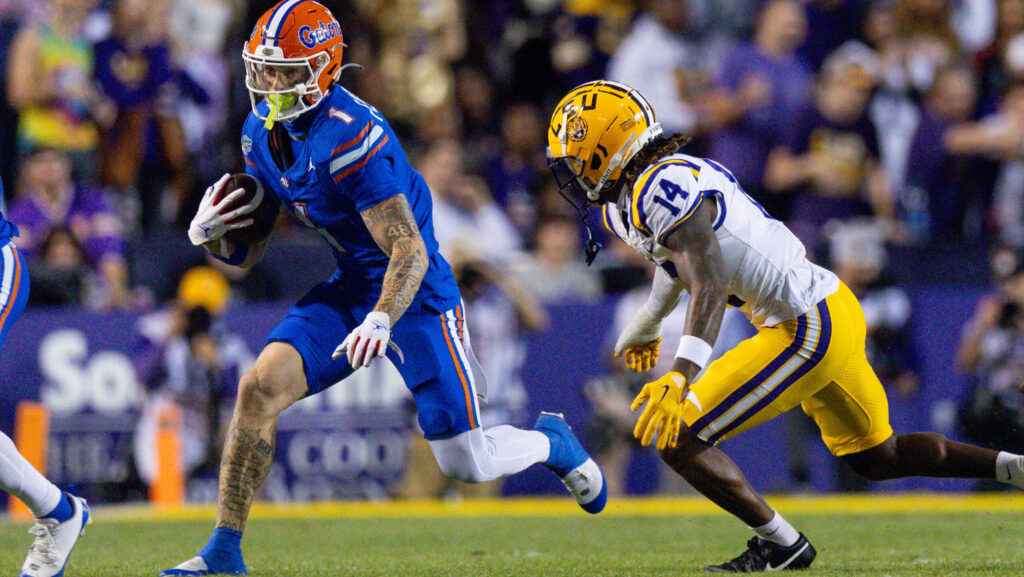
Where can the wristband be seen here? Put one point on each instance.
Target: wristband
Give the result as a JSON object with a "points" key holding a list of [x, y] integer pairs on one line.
{"points": [[694, 349], [234, 259]]}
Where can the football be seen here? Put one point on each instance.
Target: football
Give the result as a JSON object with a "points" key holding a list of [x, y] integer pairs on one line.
{"points": [[263, 217]]}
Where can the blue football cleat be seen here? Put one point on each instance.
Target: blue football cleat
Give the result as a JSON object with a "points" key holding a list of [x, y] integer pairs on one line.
{"points": [[570, 461], [198, 566], [54, 541]]}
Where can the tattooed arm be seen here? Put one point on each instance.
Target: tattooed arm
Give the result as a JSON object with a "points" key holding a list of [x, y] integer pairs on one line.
{"points": [[394, 228]]}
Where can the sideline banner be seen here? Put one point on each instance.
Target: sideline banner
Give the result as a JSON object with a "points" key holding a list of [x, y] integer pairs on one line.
{"points": [[348, 442]]}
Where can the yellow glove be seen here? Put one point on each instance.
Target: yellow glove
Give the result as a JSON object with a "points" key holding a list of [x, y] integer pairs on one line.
{"points": [[663, 412], [642, 357]]}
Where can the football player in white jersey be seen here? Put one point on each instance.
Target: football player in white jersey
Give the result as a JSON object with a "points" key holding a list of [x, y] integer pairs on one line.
{"points": [[690, 217]]}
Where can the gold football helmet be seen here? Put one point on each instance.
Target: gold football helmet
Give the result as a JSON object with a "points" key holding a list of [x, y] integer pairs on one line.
{"points": [[595, 130]]}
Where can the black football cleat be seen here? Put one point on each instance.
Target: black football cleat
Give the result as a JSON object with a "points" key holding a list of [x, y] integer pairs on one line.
{"points": [[764, 555]]}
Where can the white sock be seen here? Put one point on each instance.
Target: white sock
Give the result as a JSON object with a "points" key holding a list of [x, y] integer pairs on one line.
{"points": [[19, 478], [513, 450], [482, 455], [1010, 469], [778, 530]]}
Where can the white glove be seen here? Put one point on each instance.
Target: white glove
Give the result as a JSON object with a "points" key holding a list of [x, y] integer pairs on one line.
{"points": [[640, 341], [209, 224], [367, 341]]}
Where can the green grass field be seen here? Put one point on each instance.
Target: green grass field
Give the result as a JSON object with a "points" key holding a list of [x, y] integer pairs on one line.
{"points": [[909, 536]]}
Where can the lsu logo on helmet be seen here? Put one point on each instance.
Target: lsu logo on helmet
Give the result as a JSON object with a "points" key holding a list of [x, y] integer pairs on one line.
{"points": [[593, 133], [577, 129]]}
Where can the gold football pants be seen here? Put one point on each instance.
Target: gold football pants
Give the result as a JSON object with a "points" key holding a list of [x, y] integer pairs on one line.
{"points": [[817, 361]]}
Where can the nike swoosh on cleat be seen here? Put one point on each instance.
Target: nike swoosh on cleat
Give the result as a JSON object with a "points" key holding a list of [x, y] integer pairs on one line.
{"points": [[768, 566]]}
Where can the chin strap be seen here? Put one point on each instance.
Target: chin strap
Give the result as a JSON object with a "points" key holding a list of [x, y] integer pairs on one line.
{"points": [[593, 247]]}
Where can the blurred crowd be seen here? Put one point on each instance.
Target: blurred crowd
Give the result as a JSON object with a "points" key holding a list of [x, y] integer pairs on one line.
{"points": [[909, 113], [906, 112], [869, 126]]}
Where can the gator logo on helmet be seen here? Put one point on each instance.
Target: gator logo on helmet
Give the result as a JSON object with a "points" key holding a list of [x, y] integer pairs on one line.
{"points": [[310, 37], [577, 129]]}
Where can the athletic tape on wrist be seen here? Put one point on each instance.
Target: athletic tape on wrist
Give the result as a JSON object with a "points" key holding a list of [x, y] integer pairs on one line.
{"points": [[694, 349]]}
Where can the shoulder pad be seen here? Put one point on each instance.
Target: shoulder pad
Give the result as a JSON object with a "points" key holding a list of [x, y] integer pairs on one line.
{"points": [[664, 196], [346, 139]]}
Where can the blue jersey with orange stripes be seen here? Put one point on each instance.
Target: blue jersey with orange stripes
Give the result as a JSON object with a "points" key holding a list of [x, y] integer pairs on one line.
{"points": [[349, 161], [7, 228]]}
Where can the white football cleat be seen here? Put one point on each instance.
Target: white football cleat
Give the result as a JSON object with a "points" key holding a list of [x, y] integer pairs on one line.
{"points": [[54, 541], [586, 483]]}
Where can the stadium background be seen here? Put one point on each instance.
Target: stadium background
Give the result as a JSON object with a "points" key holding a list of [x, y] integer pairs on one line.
{"points": [[888, 133]]}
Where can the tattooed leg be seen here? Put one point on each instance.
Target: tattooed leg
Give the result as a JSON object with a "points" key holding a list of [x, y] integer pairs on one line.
{"points": [[272, 385], [244, 465]]}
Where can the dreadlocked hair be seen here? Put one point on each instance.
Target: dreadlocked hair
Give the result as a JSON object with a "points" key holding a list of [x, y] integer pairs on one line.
{"points": [[655, 150]]}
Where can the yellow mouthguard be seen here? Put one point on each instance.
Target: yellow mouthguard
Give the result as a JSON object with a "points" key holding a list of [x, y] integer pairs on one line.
{"points": [[277, 103]]}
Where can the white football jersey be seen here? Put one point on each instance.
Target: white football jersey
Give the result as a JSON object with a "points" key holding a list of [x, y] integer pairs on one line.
{"points": [[767, 272]]}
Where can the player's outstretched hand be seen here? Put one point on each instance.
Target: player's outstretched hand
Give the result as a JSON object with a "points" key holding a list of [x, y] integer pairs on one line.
{"points": [[210, 223], [367, 341], [663, 412], [640, 341]]}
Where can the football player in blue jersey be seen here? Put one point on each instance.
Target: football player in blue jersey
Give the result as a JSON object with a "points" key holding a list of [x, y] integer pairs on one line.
{"points": [[60, 517], [333, 162]]}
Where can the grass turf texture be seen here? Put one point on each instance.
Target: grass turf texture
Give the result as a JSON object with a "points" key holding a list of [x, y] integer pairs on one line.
{"points": [[862, 536]]}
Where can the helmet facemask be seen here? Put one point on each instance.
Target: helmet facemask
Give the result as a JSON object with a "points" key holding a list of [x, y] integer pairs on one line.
{"points": [[571, 184], [575, 189], [289, 85]]}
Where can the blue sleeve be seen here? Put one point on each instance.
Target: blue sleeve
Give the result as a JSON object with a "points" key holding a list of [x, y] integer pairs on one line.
{"points": [[249, 150], [366, 172]]}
